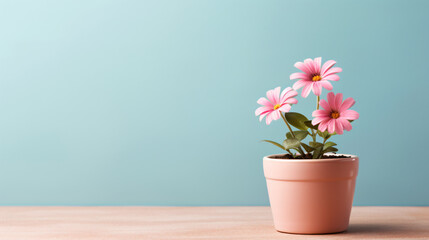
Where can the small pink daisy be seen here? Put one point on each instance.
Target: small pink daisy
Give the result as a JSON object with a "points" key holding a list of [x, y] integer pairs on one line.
{"points": [[314, 77], [336, 114], [275, 104]]}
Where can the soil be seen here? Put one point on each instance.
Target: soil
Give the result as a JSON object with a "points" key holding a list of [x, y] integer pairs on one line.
{"points": [[307, 156]]}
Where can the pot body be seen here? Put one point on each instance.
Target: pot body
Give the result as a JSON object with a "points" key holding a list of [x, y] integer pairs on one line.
{"points": [[311, 196]]}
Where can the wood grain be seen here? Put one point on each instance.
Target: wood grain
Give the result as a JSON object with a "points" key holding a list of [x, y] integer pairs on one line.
{"points": [[165, 223]]}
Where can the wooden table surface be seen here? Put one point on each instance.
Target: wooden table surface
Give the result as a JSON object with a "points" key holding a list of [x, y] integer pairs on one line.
{"points": [[165, 223]]}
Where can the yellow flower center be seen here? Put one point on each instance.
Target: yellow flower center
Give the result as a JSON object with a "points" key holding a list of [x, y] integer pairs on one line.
{"points": [[316, 78], [335, 115], [277, 106]]}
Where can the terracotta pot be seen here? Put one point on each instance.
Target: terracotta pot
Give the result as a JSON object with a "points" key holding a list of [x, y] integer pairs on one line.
{"points": [[311, 196]]}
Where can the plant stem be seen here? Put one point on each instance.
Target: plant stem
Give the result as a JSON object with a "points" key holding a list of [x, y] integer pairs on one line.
{"points": [[287, 124], [308, 152], [293, 134], [301, 152], [324, 140], [317, 108], [290, 152], [318, 100], [313, 135]]}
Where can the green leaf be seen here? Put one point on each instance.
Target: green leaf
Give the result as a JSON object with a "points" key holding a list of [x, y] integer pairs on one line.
{"points": [[329, 144], [316, 144], [330, 149], [297, 120], [317, 152], [300, 135], [310, 125], [291, 143], [274, 143], [317, 149], [324, 134], [307, 148]]}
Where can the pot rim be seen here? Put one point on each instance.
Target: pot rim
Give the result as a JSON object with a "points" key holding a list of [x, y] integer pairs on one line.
{"points": [[351, 158]]}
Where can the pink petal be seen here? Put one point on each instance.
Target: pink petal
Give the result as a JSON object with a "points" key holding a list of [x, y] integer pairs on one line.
{"points": [[275, 115], [277, 95], [332, 71], [331, 126], [320, 113], [317, 88], [317, 64], [287, 93], [331, 99], [348, 103], [327, 65], [318, 120], [262, 116], [309, 63], [350, 114], [301, 83], [325, 105], [298, 76], [327, 85], [338, 127], [291, 101], [270, 96], [286, 90], [262, 110], [285, 108], [306, 90], [338, 101], [346, 124], [269, 118], [265, 102], [323, 126], [332, 77], [303, 67]]}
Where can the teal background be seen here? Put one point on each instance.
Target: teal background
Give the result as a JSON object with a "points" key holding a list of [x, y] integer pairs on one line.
{"points": [[152, 102]]}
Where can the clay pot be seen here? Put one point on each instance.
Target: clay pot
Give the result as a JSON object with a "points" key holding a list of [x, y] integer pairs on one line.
{"points": [[311, 196]]}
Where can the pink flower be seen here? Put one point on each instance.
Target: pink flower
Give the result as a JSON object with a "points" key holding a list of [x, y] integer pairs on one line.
{"points": [[315, 77], [335, 116], [275, 104]]}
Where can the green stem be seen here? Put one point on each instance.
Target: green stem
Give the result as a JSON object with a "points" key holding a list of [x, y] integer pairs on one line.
{"points": [[302, 152], [317, 108], [308, 152], [324, 140], [287, 124], [293, 134], [318, 101], [313, 135]]}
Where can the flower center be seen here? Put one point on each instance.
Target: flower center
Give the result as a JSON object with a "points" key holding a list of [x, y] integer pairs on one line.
{"points": [[316, 78], [335, 115], [277, 106]]}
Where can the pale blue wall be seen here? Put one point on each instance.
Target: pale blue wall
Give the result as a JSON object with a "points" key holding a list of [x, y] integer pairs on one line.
{"points": [[152, 102]]}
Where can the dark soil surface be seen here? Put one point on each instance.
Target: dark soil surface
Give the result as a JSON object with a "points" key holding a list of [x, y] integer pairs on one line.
{"points": [[307, 156]]}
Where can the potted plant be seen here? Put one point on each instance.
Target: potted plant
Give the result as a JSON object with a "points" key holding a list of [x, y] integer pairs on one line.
{"points": [[310, 186]]}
